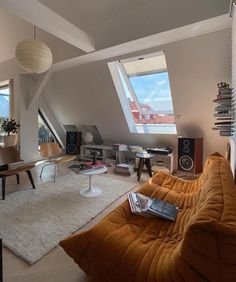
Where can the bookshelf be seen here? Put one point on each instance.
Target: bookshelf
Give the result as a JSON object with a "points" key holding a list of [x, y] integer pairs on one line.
{"points": [[224, 110]]}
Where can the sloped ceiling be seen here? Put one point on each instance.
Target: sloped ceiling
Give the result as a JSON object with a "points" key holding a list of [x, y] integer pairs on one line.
{"points": [[110, 22], [113, 22]]}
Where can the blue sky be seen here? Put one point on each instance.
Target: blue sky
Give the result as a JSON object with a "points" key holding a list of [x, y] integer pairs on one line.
{"points": [[4, 102], [154, 90]]}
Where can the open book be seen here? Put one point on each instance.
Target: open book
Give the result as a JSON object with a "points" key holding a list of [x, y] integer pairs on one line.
{"points": [[146, 206]]}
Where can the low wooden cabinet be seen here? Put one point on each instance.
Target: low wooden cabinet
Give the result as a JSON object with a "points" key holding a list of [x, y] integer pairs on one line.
{"points": [[105, 152]]}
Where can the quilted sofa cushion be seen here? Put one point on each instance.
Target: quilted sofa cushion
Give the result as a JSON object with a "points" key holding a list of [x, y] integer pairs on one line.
{"points": [[199, 246]]}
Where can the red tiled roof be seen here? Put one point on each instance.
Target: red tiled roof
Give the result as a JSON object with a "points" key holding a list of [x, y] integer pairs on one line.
{"points": [[149, 118]]}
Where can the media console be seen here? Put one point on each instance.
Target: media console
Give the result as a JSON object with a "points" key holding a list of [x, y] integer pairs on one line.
{"points": [[107, 153]]}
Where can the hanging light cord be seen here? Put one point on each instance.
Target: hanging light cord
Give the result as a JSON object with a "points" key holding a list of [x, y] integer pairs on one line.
{"points": [[34, 32]]}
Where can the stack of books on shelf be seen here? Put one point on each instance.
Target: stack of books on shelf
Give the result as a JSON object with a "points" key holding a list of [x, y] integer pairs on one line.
{"points": [[148, 207], [126, 169], [120, 147], [135, 149], [224, 110]]}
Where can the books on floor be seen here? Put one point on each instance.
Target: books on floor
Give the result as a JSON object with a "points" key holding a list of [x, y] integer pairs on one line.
{"points": [[123, 168], [146, 206]]}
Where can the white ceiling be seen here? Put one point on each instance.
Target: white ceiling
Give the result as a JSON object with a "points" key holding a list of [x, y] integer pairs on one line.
{"points": [[110, 22], [87, 13]]}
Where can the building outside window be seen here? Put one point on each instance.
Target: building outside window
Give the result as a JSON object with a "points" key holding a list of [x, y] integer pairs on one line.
{"points": [[143, 86], [45, 133]]}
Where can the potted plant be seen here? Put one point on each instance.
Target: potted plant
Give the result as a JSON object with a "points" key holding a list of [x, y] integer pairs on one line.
{"points": [[9, 126]]}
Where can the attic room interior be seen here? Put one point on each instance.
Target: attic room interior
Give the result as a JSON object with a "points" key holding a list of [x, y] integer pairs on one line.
{"points": [[117, 140]]}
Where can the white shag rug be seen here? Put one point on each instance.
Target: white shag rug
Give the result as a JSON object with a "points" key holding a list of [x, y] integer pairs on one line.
{"points": [[33, 222]]}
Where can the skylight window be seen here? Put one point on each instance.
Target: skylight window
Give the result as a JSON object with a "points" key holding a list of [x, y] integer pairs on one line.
{"points": [[142, 84]]}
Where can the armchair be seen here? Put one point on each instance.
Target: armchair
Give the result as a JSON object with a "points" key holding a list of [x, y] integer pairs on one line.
{"points": [[53, 153]]}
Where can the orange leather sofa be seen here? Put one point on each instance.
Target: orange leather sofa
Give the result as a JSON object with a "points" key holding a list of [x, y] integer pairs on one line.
{"points": [[199, 246]]}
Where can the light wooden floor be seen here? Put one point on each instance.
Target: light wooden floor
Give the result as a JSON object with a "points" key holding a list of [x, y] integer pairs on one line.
{"points": [[56, 266]]}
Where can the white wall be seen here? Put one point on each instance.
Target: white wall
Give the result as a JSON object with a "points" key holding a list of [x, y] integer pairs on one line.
{"points": [[86, 94], [26, 119]]}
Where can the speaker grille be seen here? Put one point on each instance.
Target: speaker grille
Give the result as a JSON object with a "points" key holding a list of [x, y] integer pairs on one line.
{"points": [[190, 154], [71, 148], [186, 163], [73, 142]]}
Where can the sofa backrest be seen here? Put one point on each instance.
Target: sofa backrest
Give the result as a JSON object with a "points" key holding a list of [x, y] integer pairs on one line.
{"points": [[209, 241]]}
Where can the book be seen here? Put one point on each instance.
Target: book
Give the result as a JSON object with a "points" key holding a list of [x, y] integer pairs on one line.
{"points": [[226, 133], [224, 123], [135, 149], [120, 147], [124, 169], [224, 99], [146, 206], [229, 128], [97, 164], [84, 167], [16, 164]]}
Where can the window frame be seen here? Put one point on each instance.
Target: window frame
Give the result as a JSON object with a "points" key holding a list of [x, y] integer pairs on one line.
{"points": [[49, 127], [5, 85], [118, 73]]}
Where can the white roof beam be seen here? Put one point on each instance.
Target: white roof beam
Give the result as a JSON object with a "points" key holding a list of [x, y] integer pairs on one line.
{"points": [[38, 14], [184, 32], [181, 33]]}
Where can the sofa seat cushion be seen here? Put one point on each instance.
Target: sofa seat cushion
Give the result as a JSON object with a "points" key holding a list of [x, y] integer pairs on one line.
{"points": [[199, 246]]}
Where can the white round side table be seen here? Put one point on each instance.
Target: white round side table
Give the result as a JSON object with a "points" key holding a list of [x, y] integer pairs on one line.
{"points": [[92, 191]]}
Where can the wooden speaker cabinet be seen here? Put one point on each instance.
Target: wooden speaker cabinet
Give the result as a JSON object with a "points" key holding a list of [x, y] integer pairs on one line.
{"points": [[190, 154], [73, 142]]}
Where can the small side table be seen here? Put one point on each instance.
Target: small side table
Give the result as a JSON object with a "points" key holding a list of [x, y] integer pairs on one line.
{"points": [[144, 159], [92, 191]]}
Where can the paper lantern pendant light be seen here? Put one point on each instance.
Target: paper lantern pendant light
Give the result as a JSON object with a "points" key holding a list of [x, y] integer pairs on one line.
{"points": [[34, 56]]}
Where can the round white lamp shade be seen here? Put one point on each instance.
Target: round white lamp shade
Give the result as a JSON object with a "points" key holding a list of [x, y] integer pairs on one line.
{"points": [[88, 138], [34, 55]]}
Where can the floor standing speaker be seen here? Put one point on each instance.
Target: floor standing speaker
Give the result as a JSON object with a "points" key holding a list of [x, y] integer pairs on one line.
{"points": [[190, 154], [73, 142]]}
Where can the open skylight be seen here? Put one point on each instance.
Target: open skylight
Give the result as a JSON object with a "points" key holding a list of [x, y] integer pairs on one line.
{"points": [[142, 84]]}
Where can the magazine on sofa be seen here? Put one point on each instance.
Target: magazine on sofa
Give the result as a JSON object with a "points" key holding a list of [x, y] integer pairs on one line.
{"points": [[146, 206]]}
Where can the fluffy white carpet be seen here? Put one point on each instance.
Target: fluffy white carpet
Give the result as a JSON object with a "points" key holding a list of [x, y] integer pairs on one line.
{"points": [[32, 222]]}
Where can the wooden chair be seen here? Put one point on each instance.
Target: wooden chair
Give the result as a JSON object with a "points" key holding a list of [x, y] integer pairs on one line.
{"points": [[53, 153], [8, 156]]}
